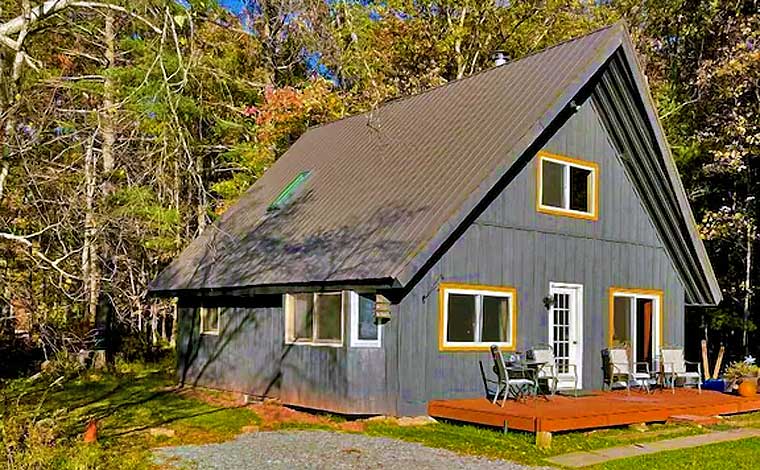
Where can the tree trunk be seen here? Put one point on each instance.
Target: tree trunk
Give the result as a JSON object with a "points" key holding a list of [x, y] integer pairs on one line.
{"points": [[175, 317], [89, 248], [108, 112], [153, 324], [201, 203], [747, 286]]}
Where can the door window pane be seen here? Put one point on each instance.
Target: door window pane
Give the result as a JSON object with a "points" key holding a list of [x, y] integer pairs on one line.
{"points": [[461, 318], [644, 330], [328, 318], [496, 321], [368, 329], [580, 182], [552, 184]]}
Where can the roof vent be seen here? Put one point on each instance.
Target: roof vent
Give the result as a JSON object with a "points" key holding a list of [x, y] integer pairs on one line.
{"points": [[499, 58]]}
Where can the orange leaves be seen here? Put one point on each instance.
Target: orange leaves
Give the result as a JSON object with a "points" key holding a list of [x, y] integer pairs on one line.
{"points": [[280, 105], [288, 111]]}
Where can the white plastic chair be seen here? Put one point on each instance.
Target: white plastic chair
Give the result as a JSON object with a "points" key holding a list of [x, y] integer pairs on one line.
{"points": [[673, 368], [549, 370], [620, 366]]}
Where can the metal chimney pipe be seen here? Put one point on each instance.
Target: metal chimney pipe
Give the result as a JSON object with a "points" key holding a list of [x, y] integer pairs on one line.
{"points": [[499, 58]]}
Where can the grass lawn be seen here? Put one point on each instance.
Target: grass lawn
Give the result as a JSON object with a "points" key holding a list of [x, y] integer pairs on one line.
{"points": [[734, 455], [138, 409], [127, 406], [519, 446]]}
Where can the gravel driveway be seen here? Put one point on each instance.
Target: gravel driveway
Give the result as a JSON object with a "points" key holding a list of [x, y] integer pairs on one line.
{"points": [[318, 450]]}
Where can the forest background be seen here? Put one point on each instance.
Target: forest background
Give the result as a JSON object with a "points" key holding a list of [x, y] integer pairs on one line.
{"points": [[128, 127]]}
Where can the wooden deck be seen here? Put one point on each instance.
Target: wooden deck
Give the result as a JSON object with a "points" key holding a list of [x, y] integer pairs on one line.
{"points": [[603, 409]]}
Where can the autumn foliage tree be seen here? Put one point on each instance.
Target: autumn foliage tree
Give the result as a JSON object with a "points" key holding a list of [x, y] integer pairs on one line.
{"points": [[128, 127]]}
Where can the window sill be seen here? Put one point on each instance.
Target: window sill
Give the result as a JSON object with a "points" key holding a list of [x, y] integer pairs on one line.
{"points": [[315, 344], [209, 333], [474, 347], [567, 213], [366, 343]]}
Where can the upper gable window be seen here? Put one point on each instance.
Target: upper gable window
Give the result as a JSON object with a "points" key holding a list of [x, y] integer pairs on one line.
{"points": [[567, 186]]}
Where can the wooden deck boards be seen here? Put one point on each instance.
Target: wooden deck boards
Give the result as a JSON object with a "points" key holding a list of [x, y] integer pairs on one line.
{"points": [[604, 409]]}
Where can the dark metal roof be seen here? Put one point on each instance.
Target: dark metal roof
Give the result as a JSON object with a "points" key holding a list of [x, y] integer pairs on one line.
{"points": [[387, 188]]}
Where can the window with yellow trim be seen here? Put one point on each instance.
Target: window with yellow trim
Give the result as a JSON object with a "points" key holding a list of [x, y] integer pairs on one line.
{"points": [[636, 321], [477, 317], [567, 186]]}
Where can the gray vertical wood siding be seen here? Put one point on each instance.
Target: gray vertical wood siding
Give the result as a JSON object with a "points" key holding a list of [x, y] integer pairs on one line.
{"points": [[511, 244], [249, 355]]}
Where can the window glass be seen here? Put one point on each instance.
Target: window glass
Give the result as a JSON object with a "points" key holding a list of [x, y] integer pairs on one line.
{"points": [[552, 184], [461, 320], [496, 321], [580, 182], [289, 191], [210, 319], [621, 332], [644, 325], [303, 315], [328, 317], [368, 329]]}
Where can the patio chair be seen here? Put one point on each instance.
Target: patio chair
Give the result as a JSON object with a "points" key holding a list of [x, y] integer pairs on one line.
{"points": [[548, 370], [617, 367], [673, 368], [513, 381]]}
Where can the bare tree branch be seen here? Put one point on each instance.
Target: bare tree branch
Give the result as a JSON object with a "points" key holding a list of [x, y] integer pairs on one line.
{"points": [[25, 240], [118, 8]]}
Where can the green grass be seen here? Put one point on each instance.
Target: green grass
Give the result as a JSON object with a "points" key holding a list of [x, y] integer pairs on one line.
{"points": [[131, 403], [519, 446], [126, 405], [741, 454]]}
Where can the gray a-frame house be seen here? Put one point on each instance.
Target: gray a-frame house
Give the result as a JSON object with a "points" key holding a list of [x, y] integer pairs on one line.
{"points": [[371, 267]]}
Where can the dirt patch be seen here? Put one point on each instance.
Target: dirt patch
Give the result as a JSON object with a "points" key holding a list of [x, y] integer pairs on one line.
{"points": [[213, 397], [273, 415]]}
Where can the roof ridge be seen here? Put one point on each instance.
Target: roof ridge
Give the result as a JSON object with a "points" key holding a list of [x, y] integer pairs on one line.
{"points": [[460, 80]]}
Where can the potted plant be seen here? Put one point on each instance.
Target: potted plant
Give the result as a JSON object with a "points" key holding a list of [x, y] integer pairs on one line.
{"points": [[743, 377]]}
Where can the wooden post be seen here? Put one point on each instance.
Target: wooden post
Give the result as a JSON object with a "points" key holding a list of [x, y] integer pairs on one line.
{"points": [[543, 439], [716, 372], [705, 361]]}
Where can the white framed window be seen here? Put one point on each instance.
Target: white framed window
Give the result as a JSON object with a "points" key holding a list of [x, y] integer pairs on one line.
{"points": [[314, 318], [209, 320], [475, 317], [567, 186], [366, 331]]}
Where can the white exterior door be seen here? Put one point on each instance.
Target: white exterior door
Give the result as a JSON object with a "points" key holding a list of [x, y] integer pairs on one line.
{"points": [[566, 331]]}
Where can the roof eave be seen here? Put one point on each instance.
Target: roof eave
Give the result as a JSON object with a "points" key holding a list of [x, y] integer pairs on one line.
{"points": [[268, 289], [715, 295]]}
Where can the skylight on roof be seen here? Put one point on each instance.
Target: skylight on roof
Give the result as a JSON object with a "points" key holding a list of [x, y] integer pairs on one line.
{"points": [[289, 192]]}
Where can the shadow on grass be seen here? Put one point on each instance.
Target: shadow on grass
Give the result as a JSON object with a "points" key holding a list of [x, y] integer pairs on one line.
{"points": [[128, 404]]}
